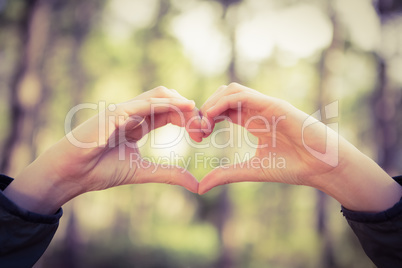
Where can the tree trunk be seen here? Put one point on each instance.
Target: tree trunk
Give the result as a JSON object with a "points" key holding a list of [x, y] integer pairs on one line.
{"points": [[324, 98], [26, 89], [385, 103]]}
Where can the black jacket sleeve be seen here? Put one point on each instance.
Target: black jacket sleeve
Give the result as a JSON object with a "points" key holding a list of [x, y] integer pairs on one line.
{"points": [[24, 235], [380, 234]]}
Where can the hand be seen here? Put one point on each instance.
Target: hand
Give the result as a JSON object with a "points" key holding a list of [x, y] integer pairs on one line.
{"points": [[67, 170], [277, 125], [342, 172]]}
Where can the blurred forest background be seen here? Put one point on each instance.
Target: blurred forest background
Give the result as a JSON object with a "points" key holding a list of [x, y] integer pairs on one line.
{"points": [[56, 54]]}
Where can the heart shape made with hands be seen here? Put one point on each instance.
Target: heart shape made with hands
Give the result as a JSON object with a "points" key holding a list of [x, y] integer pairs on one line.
{"points": [[97, 154], [278, 126], [261, 116], [197, 124]]}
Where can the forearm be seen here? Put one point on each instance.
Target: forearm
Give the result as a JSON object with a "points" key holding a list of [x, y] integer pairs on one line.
{"points": [[38, 189], [358, 183]]}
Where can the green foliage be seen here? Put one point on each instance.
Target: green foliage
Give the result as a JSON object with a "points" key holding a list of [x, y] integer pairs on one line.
{"points": [[262, 225]]}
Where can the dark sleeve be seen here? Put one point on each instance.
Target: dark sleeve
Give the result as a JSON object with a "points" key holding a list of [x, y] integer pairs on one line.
{"points": [[380, 234], [24, 235]]}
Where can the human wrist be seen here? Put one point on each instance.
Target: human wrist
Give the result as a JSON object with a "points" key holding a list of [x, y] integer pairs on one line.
{"points": [[359, 184], [38, 189]]}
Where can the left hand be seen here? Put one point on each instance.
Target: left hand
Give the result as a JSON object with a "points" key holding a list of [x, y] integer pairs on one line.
{"points": [[67, 170]]}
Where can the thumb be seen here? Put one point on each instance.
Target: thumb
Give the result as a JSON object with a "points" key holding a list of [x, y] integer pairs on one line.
{"points": [[239, 172], [149, 172]]}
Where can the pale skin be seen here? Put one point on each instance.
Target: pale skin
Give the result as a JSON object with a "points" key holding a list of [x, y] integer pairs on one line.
{"points": [[357, 182], [66, 171]]}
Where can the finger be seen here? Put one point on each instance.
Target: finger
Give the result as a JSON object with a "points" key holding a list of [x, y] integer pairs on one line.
{"points": [[240, 172], [189, 118], [244, 99], [154, 106], [208, 125], [136, 118], [159, 95], [191, 121], [232, 88], [158, 92], [149, 172], [192, 124], [218, 91], [208, 122]]}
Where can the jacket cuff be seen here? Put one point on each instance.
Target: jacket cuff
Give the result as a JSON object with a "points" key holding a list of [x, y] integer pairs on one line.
{"points": [[367, 217], [11, 208]]}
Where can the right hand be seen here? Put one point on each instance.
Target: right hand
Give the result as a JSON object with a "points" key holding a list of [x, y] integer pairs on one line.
{"points": [[350, 177], [278, 127]]}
